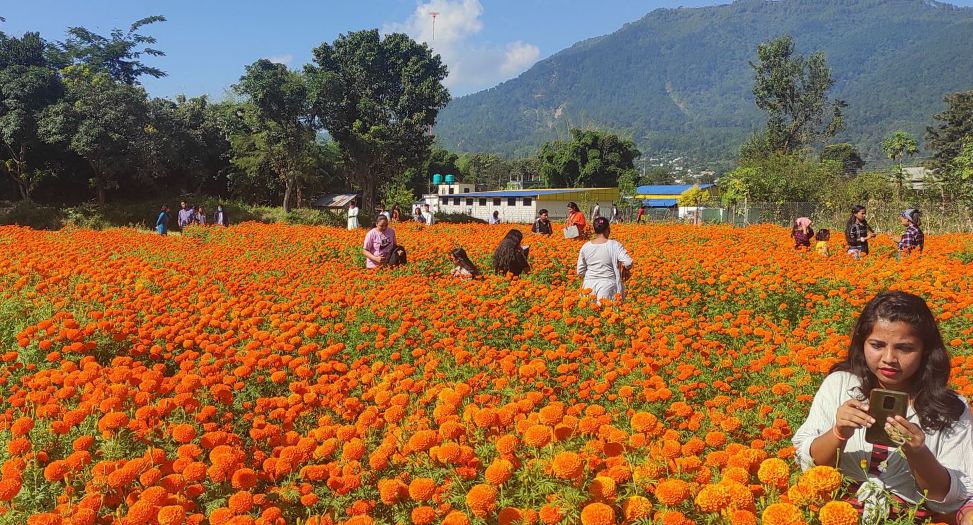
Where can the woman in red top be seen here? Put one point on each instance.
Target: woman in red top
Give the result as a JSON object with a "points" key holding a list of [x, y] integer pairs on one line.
{"points": [[576, 218]]}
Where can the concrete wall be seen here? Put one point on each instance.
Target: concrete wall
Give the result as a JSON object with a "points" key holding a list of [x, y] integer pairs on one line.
{"points": [[518, 213]]}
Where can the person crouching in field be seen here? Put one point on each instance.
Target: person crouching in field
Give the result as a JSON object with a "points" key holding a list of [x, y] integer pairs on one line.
{"points": [[464, 267], [604, 263], [895, 346], [379, 242], [802, 233], [510, 256], [822, 238]]}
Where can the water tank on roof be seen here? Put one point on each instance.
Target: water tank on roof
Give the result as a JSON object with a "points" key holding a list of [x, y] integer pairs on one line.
{"points": [[437, 178], [450, 178]]}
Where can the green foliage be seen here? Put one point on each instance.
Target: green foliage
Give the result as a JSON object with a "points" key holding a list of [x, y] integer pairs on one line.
{"points": [[954, 129], [377, 97], [398, 193], [792, 90], [845, 154], [961, 174], [779, 178], [590, 159], [118, 55], [896, 145]]}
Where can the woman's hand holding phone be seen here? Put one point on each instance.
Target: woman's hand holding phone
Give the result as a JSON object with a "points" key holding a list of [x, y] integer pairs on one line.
{"points": [[913, 437], [851, 416]]}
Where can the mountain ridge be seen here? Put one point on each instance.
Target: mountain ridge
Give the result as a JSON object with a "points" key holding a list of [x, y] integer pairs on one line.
{"points": [[678, 79]]}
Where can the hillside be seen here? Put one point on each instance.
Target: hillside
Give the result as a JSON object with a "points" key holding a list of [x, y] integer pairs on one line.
{"points": [[678, 80]]}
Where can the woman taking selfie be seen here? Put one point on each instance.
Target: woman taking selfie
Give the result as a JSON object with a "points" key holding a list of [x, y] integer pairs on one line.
{"points": [[896, 346]]}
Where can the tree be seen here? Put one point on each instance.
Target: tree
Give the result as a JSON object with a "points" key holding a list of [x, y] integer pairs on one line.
{"points": [[27, 86], [590, 159], [378, 97], [845, 154], [102, 121], [961, 181], [483, 169], [657, 175], [955, 129], [792, 90], [694, 197], [896, 145], [281, 122], [118, 55], [779, 178]]}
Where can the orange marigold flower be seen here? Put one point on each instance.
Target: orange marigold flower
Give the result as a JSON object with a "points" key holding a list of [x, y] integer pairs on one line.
{"points": [[361, 519], [423, 515], [644, 422], [567, 465], [9, 488], [742, 517], [244, 479], [506, 445], [636, 508], [551, 514], [538, 435], [45, 518], [456, 518], [821, 479], [509, 516], [391, 491], [171, 515], [499, 472], [422, 489], [56, 470], [482, 500], [240, 502], [737, 474], [22, 426], [712, 498], [597, 514], [602, 488], [782, 514], [774, 472], [183, 433], [672, 492], [838, 513]]}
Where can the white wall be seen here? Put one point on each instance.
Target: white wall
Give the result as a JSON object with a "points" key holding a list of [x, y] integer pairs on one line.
{"points": [[518, 213]]}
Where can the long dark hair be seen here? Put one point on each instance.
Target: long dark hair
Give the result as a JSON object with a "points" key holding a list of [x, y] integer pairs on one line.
{"points": [[852, 219], [509, 256], [938, 407], [464, 261]]}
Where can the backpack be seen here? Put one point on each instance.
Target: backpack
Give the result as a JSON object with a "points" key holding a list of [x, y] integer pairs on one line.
{"points": [[398, 257]]}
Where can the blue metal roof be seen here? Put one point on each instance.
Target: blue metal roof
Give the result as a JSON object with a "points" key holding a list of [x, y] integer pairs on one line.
{"points": [[667, 189], [521, 193], [659, 203]]}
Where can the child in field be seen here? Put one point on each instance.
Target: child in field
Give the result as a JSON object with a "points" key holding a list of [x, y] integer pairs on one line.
{"points": [[802, 233], [465, 268], [895, 345], [822, 238]]}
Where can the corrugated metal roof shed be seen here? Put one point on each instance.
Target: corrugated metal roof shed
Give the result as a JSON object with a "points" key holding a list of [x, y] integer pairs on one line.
{"points": [[667, 189], [334, 200]]}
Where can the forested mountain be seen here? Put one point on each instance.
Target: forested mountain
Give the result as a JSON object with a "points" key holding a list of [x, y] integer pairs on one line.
{"points": [[679, 80]]}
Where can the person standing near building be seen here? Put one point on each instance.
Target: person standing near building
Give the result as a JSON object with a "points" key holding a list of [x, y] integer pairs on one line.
{"points": [[162, 223], [595, 212], [574, 227], [427, 215], [641, 214], [185, 216], [616, 218], [352, 216], [495, 218], [542, 226]]}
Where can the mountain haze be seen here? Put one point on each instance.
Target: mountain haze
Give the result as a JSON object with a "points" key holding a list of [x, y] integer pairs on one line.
{"points": [[679, 80]]}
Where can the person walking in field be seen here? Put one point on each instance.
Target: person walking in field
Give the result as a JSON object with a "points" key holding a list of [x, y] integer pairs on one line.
{"points": [[185, 215], [162, 222], [200, 216], [858, 232], [379, 242], [641, 214], [912, 239], [542, 226], [603, 263], [595, 212], [219, 217], [575, 225], [616, 218], [353, 216], [802, 233]]}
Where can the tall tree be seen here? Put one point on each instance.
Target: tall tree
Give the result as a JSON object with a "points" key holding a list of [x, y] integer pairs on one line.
{"points": [[845, 154], [282, 122], [102, 121], [378, 97], [28, 85], [119, 54], [952, 132], [897, 145], [590, 159], [793, 90]]}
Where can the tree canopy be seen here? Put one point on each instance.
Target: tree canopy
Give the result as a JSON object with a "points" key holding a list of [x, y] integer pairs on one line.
{"points": [[589, 159]]}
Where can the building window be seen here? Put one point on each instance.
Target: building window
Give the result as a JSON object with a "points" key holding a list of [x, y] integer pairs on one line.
{"points": [[526, 201], [511, 201], [451, 190], [466, 190], [496, 202], [482, 202], [469, 201], [456, 201]]}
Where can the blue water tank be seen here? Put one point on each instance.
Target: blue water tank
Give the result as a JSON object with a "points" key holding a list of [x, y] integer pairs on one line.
{"points": [[450, 178], [437, 178]]}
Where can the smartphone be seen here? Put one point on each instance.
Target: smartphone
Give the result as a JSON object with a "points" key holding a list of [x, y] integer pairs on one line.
{"points": [[883, 404]]}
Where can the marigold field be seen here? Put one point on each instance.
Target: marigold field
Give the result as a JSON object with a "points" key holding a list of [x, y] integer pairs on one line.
{"points": [[257, 374]]}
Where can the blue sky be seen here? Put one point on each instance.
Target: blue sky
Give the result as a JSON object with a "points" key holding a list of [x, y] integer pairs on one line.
{"points": [[208, 42]]}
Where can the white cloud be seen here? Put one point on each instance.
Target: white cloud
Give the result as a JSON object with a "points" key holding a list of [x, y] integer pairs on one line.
{"points": [[472, 65], [282, 59]]}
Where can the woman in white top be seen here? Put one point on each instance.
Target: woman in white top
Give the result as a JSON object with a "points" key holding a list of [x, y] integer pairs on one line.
{"points": [[896, 345], [604, 263], [352, 216]]}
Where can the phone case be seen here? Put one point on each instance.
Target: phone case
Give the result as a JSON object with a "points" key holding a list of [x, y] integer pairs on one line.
{"points": [[883, 404]]}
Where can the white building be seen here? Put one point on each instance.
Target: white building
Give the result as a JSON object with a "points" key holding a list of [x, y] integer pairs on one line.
{"points": [[519, 206]]}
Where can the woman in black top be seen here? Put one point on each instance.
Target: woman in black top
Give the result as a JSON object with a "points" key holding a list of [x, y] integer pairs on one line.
{"points": [[510, 256], [858, 232]]}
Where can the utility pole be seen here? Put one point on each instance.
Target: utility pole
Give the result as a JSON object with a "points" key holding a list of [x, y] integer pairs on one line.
{"points": [[434, 14]]}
